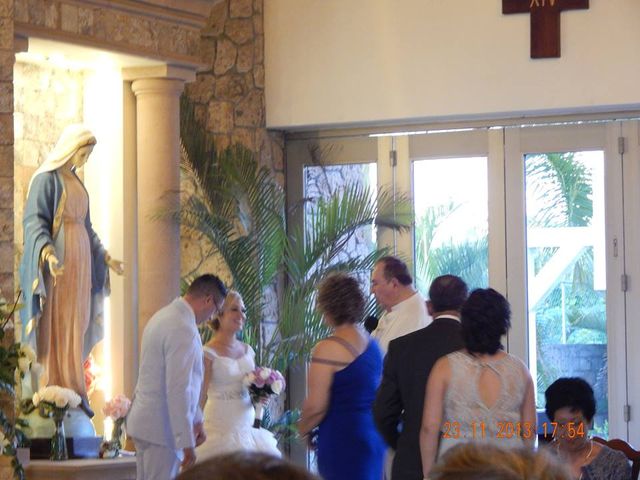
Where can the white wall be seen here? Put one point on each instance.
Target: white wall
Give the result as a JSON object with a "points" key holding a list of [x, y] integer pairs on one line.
{"points": [[331, 62]]}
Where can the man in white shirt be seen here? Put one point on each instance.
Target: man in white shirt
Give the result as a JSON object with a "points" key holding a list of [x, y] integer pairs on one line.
{"points": [[165, 420], [405, 310]]}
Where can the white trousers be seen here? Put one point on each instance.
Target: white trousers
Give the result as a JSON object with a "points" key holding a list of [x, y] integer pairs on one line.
{"points": [[156, 462]]}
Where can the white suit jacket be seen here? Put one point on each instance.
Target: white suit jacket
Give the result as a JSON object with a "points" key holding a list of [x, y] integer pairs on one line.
{"points": [[165, 404]]}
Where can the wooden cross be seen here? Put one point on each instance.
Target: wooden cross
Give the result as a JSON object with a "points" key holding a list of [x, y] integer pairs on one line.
{"points": [[545, 22]]}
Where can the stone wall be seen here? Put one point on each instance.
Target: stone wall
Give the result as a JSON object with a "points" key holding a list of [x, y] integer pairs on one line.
{"points": [[6, 147], [138, 29], [230, 92], [6, 182]]}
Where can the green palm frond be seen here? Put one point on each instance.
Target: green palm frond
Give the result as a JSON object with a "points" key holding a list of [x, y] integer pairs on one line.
{"points": [[563, 185]]}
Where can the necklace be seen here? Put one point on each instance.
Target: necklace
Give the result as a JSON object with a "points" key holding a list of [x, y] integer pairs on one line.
{"points": [[584, 461]]}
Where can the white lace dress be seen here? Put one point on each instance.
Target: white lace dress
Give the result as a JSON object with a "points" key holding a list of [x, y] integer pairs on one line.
{"points": [[466, 417], [228, 413]]}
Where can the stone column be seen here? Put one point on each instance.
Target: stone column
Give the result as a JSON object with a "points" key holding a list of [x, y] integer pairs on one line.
{"points": [[158, 171]]}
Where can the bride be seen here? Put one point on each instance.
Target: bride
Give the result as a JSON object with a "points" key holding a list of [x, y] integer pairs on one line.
{"points": [[225, 401]]}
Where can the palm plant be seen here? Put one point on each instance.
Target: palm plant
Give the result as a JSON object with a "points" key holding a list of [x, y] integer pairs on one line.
{"points": [[318, 249], [562, 187], [237, 208], [467, 259]]}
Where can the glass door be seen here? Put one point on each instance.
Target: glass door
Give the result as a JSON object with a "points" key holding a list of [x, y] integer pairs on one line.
{"points": [[629, 175], [317, 168], [563, 181], [450, 179]]}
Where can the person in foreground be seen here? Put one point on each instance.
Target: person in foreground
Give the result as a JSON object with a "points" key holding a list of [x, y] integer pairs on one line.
{"points": [[570, 403], [246, 466], [475, 461], [64, 269], [480, 393], [165, 420], [228, 412], [400, 398], [343, 376]]}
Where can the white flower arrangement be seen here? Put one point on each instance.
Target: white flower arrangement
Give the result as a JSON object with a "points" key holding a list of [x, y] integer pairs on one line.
{"points": [[54, 396]]}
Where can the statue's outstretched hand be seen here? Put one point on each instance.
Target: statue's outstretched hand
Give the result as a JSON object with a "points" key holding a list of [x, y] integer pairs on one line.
{"points": [[116, 265], [55, 268]]}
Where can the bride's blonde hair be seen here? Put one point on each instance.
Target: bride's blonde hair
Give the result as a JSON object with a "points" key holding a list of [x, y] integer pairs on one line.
{"points": [[215, 323]]}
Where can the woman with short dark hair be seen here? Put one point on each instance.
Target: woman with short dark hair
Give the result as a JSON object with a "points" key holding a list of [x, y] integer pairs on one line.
{"points": [[480, 393], [571, 406], [344, 374]]}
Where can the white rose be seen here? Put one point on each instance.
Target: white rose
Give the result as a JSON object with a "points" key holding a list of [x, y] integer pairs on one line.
{"points": [[60, 401], [265, 373], [28, 352], [23, 364], [73, 399], [276, 387]]}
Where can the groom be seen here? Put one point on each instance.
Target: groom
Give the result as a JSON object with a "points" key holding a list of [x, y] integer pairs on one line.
{"points": [[165, 420]]}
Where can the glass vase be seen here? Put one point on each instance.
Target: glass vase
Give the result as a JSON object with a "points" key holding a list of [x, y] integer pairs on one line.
{"points": [[58, 441], [117, 435]]}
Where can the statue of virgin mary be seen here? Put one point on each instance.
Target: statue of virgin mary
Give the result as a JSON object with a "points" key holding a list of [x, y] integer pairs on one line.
{"points": [[64, 273]]}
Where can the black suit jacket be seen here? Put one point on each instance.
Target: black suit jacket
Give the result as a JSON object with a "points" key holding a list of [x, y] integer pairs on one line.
{"points": [[400, 399]]}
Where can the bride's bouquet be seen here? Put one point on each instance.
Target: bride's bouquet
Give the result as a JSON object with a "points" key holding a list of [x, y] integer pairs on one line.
{"points": [[263, 383]]}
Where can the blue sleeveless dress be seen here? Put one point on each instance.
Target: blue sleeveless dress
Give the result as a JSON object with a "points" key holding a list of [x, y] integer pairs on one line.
{"points": [[349, 446]]}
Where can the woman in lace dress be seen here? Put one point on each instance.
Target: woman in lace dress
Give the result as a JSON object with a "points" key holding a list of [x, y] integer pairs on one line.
{"points": [[571, 404], [480, 393], [225, 401]]}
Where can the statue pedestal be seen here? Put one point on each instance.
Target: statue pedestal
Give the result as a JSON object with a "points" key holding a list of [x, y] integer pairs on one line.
{"points": [[121, 468]]}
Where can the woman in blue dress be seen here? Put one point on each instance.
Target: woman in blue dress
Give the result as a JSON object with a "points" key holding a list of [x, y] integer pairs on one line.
{"points": [[344, 374]]}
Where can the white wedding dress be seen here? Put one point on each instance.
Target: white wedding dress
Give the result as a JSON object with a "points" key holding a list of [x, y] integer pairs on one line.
{"points": [[229, 413]]}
